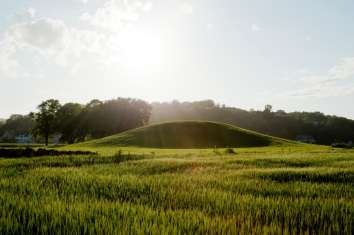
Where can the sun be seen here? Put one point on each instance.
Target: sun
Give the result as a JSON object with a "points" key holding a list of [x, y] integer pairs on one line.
{"points": [[141, 50]]}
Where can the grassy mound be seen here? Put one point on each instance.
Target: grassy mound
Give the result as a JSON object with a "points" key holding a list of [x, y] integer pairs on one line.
{"points": [[188, 134]]}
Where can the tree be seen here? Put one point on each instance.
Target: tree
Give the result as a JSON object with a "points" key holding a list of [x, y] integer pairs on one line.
{"points": [[99, 119], [268, 108], [68, 118], [46, 118], [14, 126]]}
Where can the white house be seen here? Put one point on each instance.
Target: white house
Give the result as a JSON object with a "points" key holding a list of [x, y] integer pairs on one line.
{"points": [[24, 139]]}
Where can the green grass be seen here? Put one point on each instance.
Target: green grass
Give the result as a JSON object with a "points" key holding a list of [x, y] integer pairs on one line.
{"points": [[300, 189], [188, 135]]}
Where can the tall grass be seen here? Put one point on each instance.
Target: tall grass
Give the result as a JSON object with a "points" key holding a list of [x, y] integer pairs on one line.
{"points": [[271, 192]]}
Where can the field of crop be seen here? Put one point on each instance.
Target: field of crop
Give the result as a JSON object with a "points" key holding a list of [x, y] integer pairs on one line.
{"points": [[271, 190]]}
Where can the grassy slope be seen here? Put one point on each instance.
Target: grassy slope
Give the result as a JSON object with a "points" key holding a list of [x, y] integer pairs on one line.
{"points": [[187, 135]]}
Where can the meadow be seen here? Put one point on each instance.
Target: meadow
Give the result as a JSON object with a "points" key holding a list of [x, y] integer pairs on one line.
{"points": [[300, 189]]}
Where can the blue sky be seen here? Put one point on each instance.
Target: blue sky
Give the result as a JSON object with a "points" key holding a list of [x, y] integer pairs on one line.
{"points": [[295, 55]]}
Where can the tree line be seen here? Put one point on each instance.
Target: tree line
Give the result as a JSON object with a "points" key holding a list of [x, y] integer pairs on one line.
{"points": [[313, 127], [76, 122]]}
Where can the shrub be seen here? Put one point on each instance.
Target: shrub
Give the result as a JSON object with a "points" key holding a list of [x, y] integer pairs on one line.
{"points": [[230, 151]]}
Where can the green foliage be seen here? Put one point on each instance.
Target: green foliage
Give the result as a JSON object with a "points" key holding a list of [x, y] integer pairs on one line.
{"points": [[273, 190], [75, 122], [68, 120], [46, 118], [230, 151], [188, 134], [322, 128], [14, 126], [99, 119]]}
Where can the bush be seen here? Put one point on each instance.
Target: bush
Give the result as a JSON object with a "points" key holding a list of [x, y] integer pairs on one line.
{"points": [[30, 152], [230, 151], [342, 145]]}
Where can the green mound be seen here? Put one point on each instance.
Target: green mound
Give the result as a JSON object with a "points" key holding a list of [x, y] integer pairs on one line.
{"points": [[185, 135]]}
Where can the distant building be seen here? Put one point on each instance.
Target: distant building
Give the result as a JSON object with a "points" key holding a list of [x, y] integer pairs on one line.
{"points": [[306, 139], [24, 139]]}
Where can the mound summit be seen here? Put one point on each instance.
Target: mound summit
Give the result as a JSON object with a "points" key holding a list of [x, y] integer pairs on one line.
{"points": [[187, 135]]}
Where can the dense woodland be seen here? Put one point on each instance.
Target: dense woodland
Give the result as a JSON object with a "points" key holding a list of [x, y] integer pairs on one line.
{"points": [[323, 129], [76, 122]]}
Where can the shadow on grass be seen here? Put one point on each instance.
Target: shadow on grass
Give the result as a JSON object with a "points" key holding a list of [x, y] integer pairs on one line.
{"points": [[30, 152], [292, 162], [13, 168], [314, 177]]}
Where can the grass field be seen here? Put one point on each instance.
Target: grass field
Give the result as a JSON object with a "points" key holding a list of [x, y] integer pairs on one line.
{"points": [[272, 190], [279, 189]]}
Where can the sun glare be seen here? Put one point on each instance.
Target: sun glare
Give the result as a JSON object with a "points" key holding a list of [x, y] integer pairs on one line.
{"points": [[142, 51]]}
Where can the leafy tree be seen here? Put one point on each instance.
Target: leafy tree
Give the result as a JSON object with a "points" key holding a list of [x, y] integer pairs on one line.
{"points": [[100, 119], [46, 119], [14, 126], [68, 118], [268, 108], [323, 128]]}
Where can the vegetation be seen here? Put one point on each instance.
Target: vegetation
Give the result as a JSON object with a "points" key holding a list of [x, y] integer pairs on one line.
{"points": [[99, 119], [188, 134], [46, 119], [312, 127], [31, 152], [274, 190], [14, 126], [76, 122]]}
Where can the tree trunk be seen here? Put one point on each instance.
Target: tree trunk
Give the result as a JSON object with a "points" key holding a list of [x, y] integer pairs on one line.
{"points": [[46, 139]]}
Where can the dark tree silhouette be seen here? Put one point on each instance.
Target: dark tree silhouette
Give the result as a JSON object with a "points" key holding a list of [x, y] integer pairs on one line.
{"points": [[46, 118], [14, 126]]}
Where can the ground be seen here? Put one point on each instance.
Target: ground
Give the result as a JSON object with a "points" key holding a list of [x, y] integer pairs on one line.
{"points": [[300, 189]]}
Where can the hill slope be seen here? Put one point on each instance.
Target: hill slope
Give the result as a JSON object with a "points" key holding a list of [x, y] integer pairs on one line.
{"points": [[188, 134]]}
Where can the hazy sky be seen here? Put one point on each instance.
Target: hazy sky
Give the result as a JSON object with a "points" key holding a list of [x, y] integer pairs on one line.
{"points": [[295, 55]]}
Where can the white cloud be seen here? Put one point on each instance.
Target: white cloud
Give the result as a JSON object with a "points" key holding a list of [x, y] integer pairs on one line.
{"points": [[187, 8], [32, 12], [25, 15], [115, 14], [255, 28], [48, 42], [81, 1], [9, 67], [210, 26], [147, 6], [39, 33], [52, 42], [337, 81], [343, 70]]}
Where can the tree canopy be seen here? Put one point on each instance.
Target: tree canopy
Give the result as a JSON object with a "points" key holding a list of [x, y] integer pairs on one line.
{"points": [[46, 119], [324, 129], [77, 122], [16, 125]]}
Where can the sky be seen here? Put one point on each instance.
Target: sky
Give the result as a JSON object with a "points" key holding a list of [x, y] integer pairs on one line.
{"points": [[295, 55]]}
